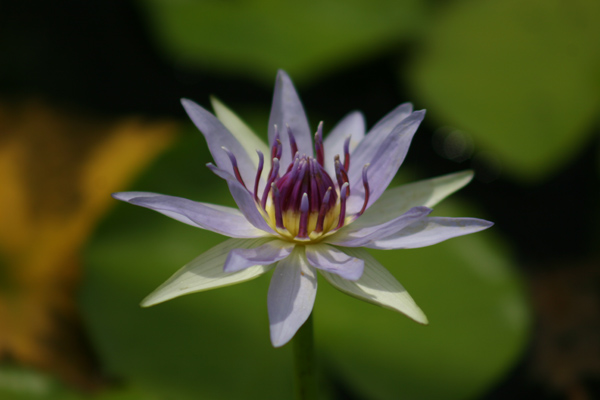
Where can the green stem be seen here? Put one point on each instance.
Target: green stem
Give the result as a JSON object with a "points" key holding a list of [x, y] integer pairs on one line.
{"points": [[304, 362]]}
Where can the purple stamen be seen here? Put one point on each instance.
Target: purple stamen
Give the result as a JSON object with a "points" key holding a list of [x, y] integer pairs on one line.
{"points": [[343, 194], [323, 211], [366, 185], [341, 175], [286, 181], [234, 164], [319, 149], [261, 163], [272, 175], [276, 143], [293, 164], [293, 145], [303, 186], [304, 210], [338, 167], [347, 153], [291, 200], [279, 149], [315, 196], [277, 205]]}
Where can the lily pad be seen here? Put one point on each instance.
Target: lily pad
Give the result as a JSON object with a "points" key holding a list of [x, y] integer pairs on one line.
{"points": [[256, 37], [520, 77]]}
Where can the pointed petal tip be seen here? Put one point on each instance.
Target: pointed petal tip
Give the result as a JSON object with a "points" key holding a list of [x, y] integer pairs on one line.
{"points": [[155, 297], [149, 301], [455, 180], [129, 196], [417, 115], [480, 224], [190, 106], [186, 102], [279, 341], [416, 314], [468, 174], [281, 73], [281, 337], [487, 224]]}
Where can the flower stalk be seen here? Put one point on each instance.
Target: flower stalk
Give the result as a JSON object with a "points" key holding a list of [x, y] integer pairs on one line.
{"points": [[305, 382]]}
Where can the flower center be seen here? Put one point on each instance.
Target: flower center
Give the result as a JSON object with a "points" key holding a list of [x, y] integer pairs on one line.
{"points": [[304, 203]]}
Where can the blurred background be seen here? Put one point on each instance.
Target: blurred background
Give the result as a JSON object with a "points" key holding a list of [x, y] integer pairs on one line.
{"points": [[89, 105]]}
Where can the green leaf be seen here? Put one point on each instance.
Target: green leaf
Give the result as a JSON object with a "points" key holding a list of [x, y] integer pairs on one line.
{"points": [[520, 77], [256, 37], [19, 383]]}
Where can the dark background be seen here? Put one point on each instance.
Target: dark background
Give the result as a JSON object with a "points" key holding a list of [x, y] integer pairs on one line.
{"points": [[85, 70]]}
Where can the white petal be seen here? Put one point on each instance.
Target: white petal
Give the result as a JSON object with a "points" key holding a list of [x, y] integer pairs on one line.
{"points": [[247, 138], [396, 201], [206, 272], [268, 253], [291, 296], [330, 259], [377, 286], [287, 110], [430, 231], [223, 220]]}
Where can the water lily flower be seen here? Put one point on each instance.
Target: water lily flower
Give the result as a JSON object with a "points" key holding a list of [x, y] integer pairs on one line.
{"points": [[308, 206]]}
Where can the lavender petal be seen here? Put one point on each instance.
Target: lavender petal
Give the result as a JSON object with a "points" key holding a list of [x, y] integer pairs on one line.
{"points": [[352, 125], [217, 137], [328, 258], [384, 162], [430, 231], [376, 136], [287, 110], [268, 253], [291, 296], [244, 200], [223, 220], [354, 235]]}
